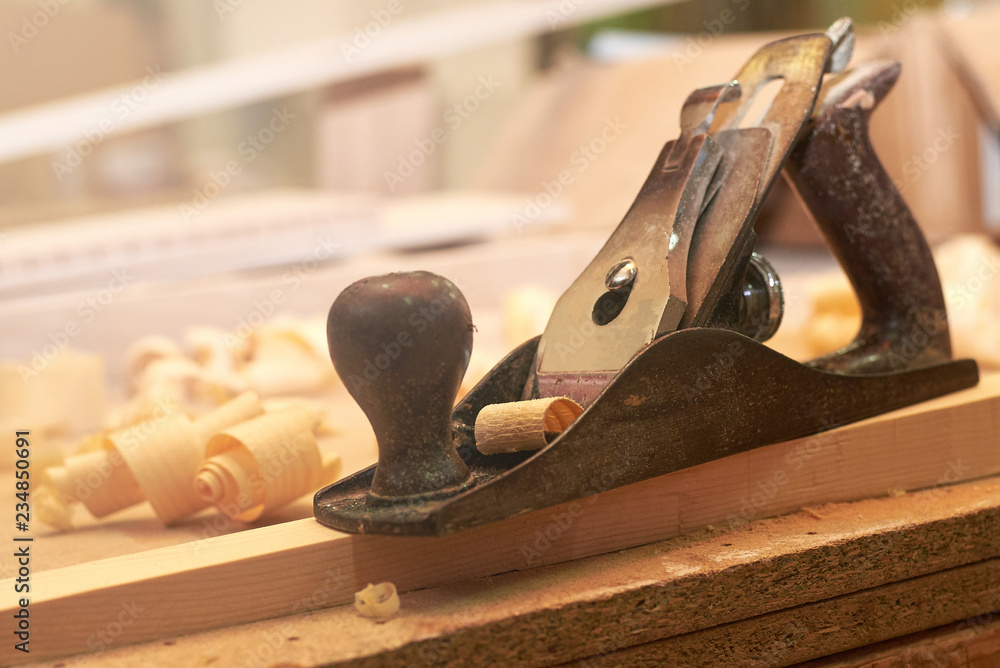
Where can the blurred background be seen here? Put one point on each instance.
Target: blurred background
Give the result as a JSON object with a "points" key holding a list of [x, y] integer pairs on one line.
{"points": [[364, 80], [247, 143]]}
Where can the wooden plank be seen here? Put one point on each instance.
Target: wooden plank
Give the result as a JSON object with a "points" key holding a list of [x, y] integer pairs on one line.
{"points": [[176, 96], [974, 643], [817, 629], [595, 609], [293, 567]]}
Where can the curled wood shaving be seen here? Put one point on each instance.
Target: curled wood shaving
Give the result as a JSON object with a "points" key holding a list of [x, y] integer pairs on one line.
{"points": [[154, 460], [263, 464], [144, 352], [378, 601], [51, 510]]}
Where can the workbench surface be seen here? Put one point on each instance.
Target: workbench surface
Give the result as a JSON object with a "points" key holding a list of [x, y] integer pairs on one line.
{"points": [[772, 592]]}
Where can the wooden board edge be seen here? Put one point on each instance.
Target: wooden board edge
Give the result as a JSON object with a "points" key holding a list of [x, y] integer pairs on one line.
{"points": [[321, 567]]}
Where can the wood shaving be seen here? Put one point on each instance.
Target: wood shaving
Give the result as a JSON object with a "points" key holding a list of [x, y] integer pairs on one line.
{"points": [[261, 465], [377, 601]]}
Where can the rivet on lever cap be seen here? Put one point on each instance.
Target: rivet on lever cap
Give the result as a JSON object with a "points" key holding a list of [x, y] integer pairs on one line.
{"points": [[622, 275]]}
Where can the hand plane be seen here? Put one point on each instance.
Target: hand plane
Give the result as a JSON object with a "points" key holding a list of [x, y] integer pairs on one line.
{"points": [[660, 337]]}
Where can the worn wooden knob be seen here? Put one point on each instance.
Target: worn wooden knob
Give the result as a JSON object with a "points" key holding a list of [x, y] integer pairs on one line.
{"points": [[401, 344]]}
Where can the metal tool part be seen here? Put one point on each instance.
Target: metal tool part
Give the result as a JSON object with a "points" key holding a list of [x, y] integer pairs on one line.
{"points": [[762, 303], [689, 232], [660, 336], [372, 329], [870, 230]]}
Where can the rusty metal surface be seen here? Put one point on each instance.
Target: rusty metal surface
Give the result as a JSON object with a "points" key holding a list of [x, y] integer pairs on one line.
{"points": [[689, 231], [696, 395], [668, 379], [401, 344], [344, 504], [870, 230]]}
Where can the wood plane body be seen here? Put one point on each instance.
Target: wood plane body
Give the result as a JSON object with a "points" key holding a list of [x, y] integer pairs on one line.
{"points": [[691, 397]]}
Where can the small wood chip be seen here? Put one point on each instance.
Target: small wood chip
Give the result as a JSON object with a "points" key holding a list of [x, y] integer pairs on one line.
{"points": [[379, 601]]}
